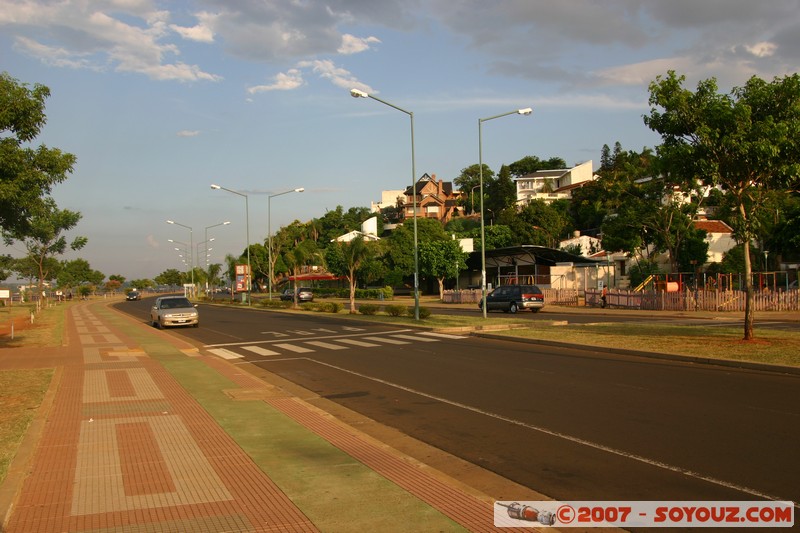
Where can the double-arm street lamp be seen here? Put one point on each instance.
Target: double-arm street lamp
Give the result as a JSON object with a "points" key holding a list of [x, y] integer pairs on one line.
{"points": [[355, 93], [247, 231], [269, 232], [526, 111], [209, 240], [191, 248]]}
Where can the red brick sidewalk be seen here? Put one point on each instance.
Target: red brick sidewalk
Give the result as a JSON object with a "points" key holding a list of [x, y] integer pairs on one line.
{"points": [[124, 448]]}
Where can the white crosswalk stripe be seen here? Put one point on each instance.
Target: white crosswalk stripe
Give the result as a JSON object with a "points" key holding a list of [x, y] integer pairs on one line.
{"points": [[258, 350], [293, 348], [326, 345], [356, 342], [386, 340], [226, 354], [413, 338], [442, 335]]}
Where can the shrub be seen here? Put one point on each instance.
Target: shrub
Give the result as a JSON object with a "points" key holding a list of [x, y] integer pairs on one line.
{"points": [[275, 304], [368, 309], [395, 310], [424, 312]]}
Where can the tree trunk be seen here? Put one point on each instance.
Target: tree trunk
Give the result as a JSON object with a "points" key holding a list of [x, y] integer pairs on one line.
{"points": [[441, 289], [352, 280], [748, 283]]}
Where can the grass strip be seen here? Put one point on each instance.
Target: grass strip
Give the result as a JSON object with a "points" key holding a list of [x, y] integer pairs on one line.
{"points": [[771, 346], [23, 392]]}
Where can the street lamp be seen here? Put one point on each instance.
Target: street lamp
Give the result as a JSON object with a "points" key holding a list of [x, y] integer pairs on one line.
{"points": [[191, 247], [355, 93], [526, 111], [208, 272], [247, 232], [269, 232]]}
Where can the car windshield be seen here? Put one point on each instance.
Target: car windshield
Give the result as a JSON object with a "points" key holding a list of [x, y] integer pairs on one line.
{"points": [[175, 303]]}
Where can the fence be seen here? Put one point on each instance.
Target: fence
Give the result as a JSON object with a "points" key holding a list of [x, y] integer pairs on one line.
{"points": [[701, 300]]}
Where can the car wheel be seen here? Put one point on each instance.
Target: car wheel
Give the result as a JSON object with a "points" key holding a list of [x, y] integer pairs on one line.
{"points": [[159, 325], [196, 325], [512, 308]]}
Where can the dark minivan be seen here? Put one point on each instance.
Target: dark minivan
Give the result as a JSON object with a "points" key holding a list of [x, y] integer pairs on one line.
{"points": [[510, 298]]}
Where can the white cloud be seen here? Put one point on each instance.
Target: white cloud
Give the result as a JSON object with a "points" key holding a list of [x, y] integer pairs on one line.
{"points": [[152, 242], [354, 45], [130, 35], [284, 81], [340, 77], [188, 133], [762, 49]]}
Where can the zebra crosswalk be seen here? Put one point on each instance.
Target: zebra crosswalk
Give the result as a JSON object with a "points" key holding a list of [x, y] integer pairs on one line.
{"points": [[333, 343]]}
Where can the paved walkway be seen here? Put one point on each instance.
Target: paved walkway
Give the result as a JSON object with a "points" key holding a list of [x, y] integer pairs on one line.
{"points": [[140, 433]]}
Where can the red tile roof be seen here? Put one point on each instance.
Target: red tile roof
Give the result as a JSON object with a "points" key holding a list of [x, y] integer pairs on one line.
{"points": [[713, 226]]}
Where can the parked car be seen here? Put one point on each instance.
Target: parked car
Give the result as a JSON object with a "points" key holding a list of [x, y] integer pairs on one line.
{"points": [[304, 294], [134, 295], [510, 298], [174, 311]]}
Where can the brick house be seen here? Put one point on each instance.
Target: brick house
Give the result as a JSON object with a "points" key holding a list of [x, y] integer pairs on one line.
{"points": [[435, 199]]}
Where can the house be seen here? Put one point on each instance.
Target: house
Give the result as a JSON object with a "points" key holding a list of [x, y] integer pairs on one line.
{"points": [[435, 199], [719, 237], [369, 232], [551, 185], [388, 199]]}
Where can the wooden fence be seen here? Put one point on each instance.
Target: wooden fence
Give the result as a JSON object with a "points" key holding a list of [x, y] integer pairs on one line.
{"points": [[730, 300]]}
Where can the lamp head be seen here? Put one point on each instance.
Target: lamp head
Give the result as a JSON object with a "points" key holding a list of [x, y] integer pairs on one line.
{"points": [[526, 111], [226, 223], [355, 93], [299, 189], [215, 186], [170, 221]]}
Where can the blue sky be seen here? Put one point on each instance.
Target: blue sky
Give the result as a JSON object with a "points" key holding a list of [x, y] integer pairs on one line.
{"points": [[160, 99]]}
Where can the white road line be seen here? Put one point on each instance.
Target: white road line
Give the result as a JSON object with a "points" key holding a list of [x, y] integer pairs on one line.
{"points": [[414, 338], [577, 440], [386, 340], [356, 342], [326, 345], [442, 335], [225, 354], [258, 350], [293, 348]]}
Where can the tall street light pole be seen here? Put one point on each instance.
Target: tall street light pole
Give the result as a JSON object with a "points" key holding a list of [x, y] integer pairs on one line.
{"points": [[355, 93], [269, 232], [247, 231], [191, 248], [526, 111], [209, 240]]}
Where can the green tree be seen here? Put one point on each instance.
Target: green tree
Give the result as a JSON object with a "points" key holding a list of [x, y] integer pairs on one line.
{"points": [[347, 259], [502, 192], [43, 237], [746, 142], [441, 260], [141, 284], [530, 164], [27, 174], [169, 277], [78, 271]]}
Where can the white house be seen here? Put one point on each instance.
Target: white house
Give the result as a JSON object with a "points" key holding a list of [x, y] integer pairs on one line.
{"points": [[719, 237], [550, 185]]}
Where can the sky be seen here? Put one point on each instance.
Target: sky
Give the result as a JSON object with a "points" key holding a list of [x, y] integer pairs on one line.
{"points": [[158, 100]]}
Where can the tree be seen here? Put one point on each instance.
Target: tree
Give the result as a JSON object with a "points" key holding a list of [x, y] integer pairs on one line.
{"points": [[746, 142], [169, 277], [43, 239], [298, 257], [78, 271], [27, 174], [530, 164], [346, 259], [441, 259], [502, 192]]}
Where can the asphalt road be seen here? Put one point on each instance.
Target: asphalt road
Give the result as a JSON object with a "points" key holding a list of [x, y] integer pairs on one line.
{"points": [[570, 423]]}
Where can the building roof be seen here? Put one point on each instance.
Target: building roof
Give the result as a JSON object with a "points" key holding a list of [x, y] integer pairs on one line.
{"points": [[528, 254], [712, 226]]}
